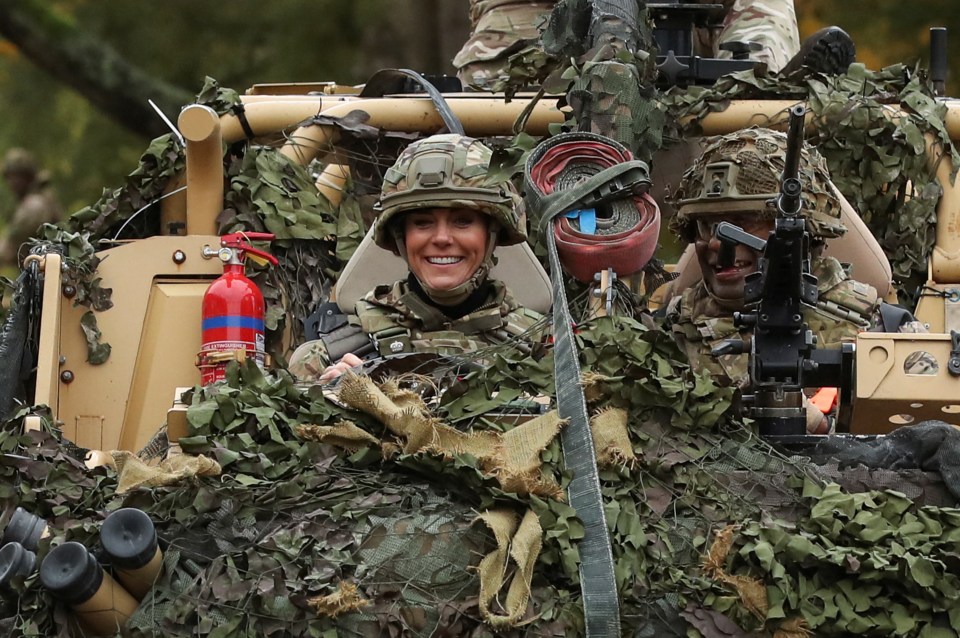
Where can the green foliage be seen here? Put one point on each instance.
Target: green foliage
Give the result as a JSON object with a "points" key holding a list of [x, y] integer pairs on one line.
{"points": [[290, 519], [869, 564]]}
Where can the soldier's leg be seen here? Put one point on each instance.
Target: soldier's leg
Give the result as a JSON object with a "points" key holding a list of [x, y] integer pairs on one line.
{"points": [[770, 23], [500, 28]]}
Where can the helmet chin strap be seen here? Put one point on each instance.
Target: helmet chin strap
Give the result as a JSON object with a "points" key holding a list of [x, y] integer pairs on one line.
{"points": [[727, 303], [457, 294]]}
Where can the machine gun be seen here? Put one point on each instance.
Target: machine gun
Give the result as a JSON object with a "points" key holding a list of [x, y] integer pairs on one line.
{"points": [[676, 21], [784, 357]]}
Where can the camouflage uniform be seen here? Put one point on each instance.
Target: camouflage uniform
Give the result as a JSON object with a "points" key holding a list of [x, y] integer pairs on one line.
{"points": [[398, 321], [500, 28], [770, 23], [37, 204], [504, 28], [442, 171]]}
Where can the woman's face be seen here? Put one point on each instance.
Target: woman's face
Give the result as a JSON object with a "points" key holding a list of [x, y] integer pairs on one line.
{"points": [[445, 246]]}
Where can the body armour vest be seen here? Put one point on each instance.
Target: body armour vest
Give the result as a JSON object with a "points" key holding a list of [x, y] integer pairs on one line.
{"points": [[400, 321], [699, 324]]}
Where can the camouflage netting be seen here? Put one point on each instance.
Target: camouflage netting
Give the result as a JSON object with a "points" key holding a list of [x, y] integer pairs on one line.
{"points": [[384, 518]]}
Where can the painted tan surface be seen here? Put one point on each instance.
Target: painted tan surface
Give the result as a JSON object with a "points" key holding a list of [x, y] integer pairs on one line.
{"points": [[154, 331], [886, 397]]}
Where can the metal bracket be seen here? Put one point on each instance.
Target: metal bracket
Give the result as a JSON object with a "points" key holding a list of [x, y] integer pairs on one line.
{"points": [[953, 364]]}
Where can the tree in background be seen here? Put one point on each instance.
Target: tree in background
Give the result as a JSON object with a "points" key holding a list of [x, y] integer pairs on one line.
{"points": [[75, 76]]}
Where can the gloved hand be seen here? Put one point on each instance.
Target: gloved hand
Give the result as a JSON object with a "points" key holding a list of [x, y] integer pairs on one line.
{"points": [[817, 421]]}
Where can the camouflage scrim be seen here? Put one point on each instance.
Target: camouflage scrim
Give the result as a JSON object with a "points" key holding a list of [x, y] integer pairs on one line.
{"points": [[740, 173], [449, 171], [499, 29], [770, 23]]}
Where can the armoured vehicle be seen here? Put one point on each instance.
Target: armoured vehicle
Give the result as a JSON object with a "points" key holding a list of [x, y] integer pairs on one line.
{"points": [[320, 526]]}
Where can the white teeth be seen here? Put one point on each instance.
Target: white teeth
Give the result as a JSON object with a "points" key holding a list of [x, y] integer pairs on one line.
{"points": [[738, 265], [444, 260]]}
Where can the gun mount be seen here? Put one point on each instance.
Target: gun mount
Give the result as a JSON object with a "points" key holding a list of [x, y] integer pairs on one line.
{"points": [[676, 23], [784, 358]]}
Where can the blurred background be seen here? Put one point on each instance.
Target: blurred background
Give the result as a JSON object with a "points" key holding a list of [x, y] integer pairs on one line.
{"points": [[90, 140]]}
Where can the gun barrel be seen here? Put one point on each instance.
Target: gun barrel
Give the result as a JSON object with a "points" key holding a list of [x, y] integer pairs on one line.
{"points": [[795, 141], [789, 201]]}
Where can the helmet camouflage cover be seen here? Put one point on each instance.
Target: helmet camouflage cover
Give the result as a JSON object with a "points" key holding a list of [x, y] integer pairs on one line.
{"points": [[740, 173], [449, 171]]}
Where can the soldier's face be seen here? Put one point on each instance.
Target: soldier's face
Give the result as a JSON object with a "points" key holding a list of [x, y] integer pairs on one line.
{"points": [[445, 246], [727, 283]]}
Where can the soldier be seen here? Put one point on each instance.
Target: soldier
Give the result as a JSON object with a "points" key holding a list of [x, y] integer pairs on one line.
{"points": [[445, 216], [736, 180], [36, 203], [505, 28]]}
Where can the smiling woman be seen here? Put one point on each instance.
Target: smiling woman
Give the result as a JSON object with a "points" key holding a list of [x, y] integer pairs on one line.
{"points": [[445, 246], [445, 215]]}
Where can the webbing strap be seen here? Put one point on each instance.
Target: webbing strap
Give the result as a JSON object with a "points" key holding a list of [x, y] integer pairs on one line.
{"points": [[601, 605]]}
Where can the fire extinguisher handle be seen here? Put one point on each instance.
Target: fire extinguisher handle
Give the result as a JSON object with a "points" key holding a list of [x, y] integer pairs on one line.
{"points": [[235, 239], [259, 253], [241, 241]]}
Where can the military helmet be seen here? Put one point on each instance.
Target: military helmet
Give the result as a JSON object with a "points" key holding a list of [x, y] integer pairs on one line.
{"points": [[448, 171], [740, 173], [19, 161]]}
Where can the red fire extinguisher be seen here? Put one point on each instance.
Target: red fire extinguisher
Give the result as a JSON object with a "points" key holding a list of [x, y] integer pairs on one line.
{"points": [[233, 310]]}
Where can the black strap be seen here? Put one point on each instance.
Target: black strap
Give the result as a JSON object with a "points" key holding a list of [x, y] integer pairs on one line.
{"points": [[348, 338], [892, 317], [240, 111], [394, 80]]}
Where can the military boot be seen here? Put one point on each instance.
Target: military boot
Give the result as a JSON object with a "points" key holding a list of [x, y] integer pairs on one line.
{"points": [[829, 51]]}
